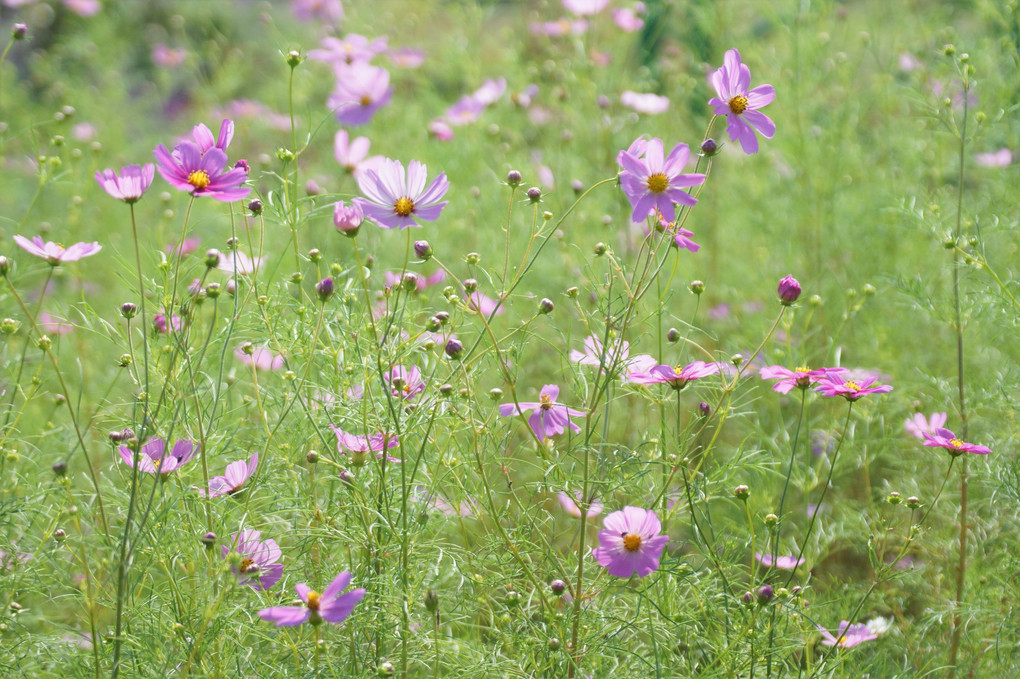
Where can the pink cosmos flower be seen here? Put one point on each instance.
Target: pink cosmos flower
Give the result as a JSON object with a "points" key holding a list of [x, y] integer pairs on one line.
{"points": [[919, 425], [204, 138], [53, 325], [234, 477], [353, 155], [154, 458], [261, 357], [186, 247], [440, 129], [677, 377], [630, 543], [550, 418], [652, 183], [330, 11], [467, 110], [347, 219], [561, 27], [407, 57], [616, 358], [682, 238], [405, 383], [485, 305], [836, 384], [201, 174], [236, 261], [490, 92], [848, 636], [585, 7], [361, 90], [394, 279], [331, 605], [740, 105], [376, 443], [130, 184], [168, 57], [626, 20], [260, 568], [83, 8], [801, 378], [397, 200], [649, 104], [351, 49], [569, 503], [56, 254], [943, 438], [1001, 158], [787, 563]]}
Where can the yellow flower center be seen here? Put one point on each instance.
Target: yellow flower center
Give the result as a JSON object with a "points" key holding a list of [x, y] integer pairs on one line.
{"points": [[738, 104], [631, 542], [156, 462], [850, 384], [313, 600], [199, 179], [657, 183], [956, 443], [365, 100], [248, 566], [403, 206], [546, 401]]}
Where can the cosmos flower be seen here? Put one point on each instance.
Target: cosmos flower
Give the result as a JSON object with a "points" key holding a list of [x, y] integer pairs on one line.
{"points": [[168, 57], [440, 129], [397, 200], [331, 606], [361, 90], [627, 20], [467, 110], [649, 104], [130, 184], [347, 218], [394, 279], [9, 560], [836, 384], [56, 254], [204, 139], [585, 7], [159, 322], [234, 477], [490, 92], [485, 305], [1001, 158], [785, 562], [261, 357], [560, 27], [153, 457], [185, 247], [801, 378], [677, 377], [237, 262], [353, 48], [943, 438], [656, 184], [740, 105], [53, 325], [330, 11], [919, 425], [376, 443], [630, 543], [353, 155], [405, 383], [407, 57], [200, 173], [848, 635], [569, 503], [617, 358], [550, 418], [259, 568]]}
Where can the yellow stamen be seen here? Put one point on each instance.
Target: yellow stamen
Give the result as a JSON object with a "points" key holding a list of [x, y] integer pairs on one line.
{"points": [[546, 401], [738, 104], [850, 384], [956, 443], [631, 542], [657, 183], [403, 207], [313, 600], [199, 179], [365, 100], [247, 566]]}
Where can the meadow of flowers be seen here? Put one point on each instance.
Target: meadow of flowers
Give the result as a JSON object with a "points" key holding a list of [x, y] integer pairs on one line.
{"points": [[553, 338]]}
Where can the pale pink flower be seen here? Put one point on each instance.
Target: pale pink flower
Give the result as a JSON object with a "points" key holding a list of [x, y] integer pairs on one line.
{"points": [[585, 7], [649, 104], [919, 425], [1001, 158], [353, 155], [261, 357], [569, 503]]}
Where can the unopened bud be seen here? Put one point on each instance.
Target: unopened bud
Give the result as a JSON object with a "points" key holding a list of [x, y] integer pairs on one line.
{"points": [[5, 266], [513, 178], [742, 492], [697, 287], [293, 58], [704, 409], [431, 600], [472, 258], [789, 290], [311, 457], [255, 206], [672, 335], [558, 587], [534, 194], [470, 285], [771, 520], [59, 535], [454, 348], [386, 669], [513, 599], [546, 306], [422, 249], [709, 147], [765, 594], [209, 539], [324, 289], [59, 468], [212, 258], [893, 498], [600, 249], [913, 502]]}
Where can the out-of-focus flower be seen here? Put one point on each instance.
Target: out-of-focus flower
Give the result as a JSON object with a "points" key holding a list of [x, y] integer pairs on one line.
{"points": [[627, 20], [330, 11], [919, 425], [233, 478], [83, 8], [739, 104], [397, 200], [185, 247], [261, 357], [943, 438], [561, 27], [848, 635], [259, 568], [353, 48], [649, 104], [616, 358], [331, 606], [785, 562], [52, 325], [9, 560], [677, 377], [630, 543], [235, 261], [159, 321], [376, 443], [485, 305], [585, 7], [440, 129], [353, 155], [347, 218], [394, 279], [1001, 158], [407, 57], [154, 457], [656, 184], [361, 90], [467, 110], [549, 418], [56, 254], [168, 57], [130, 184], [569, 503]]}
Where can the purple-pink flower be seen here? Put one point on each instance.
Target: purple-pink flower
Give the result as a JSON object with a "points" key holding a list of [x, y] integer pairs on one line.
{"points": [[159, 322], [836, 384], [394, 279], [361, 90], [235, 261], [397, 200], [353, 48], [585, 7], [235, 476], [358, 446], [353, 154], [919, 425], [614, 358], [848, 636], [347, 218], [630, 543], [331, 606], [200, 173], [656, 184], [1001, 158], [261, 357], [550, 418], [785, 562], [485, 305], [649, 104], [943, 438], [627, 20], [154, 458], [404, 382], [677, 377], [204, 138], [801, 378], [318, 10], [56, 254], [130, 184], [739, 104], [259, 568], [569, 502]]}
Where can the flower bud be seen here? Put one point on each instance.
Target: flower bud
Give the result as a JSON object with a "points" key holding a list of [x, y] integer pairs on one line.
{"points": [[5, 266], [242, 164], [554, 644], [60, 468], [513, 178], [433, 324], [748, 598], [247, 348], [409, 281], [572, 292], [495, 394], [212, 258], [59, 535], [44, 343], [347, 219], [534, 194], [422, 249], [913, 502], [869, 290], [765, 594], [442, 317], [128, 310], [255, 206], [324, 289], [737, 359], [672, 335], [454, 348], [315, 255], [558, 587], [296, 277], [446, 389], [704, 409], [209, 539], [697, 287], [346, 476], [212, 290], [431, 600], [893, 498], [600, 249], [472, 258], [386, 669], [577, 186], [470, 285], [742, 492], [513, 599], [789, 290], [231, 286], [709, 148], [9, 326], [546, 306], [771, 520], [124, 360], [311, 457], [19, 31]]}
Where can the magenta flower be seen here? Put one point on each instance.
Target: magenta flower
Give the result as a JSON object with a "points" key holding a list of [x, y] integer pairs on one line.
{"points": [[159, 322], [405, 383], [130, 184], [569, 503], [168, 57], [10, 560], [397, 200], [739, 104], [201, 174], [353, 155], [630, 543], [677, 377], [234, 477], [440, 129], [943, 438], [56, 254], [652, 183], [347, 218], [331, 605], [361, 90], [563, 26], [352, 49], [550, 418], [261, 357], [649, 104], [260, 568], [787, 563], [185, 247], [848, 636], [153, 457], [801, 378], [919, 425], [407, 57], [204, 139], [490, 92], [788, 290], [358, 446], [52, 325], [836, 384]]}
